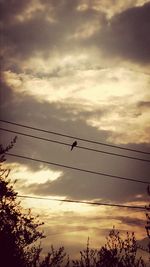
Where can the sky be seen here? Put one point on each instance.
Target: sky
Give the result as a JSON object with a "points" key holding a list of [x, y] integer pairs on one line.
{"points": [[80, 68]]}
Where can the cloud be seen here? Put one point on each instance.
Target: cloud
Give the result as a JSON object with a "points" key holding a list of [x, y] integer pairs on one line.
{"points": [[60, 117], [94, 222], [84, 225], [131, 221], [47, 31], [9, 9], [107, 100], [144, 105], [126, 35], [25, 40], [87, 187]]}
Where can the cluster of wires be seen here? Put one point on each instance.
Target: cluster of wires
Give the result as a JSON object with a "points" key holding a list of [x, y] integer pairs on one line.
{"points": [[139, 158]]}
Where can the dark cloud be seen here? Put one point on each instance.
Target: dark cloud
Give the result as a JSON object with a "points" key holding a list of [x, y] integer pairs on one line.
{"points": [[31, 36], [10, 8], [131, 221], [81, 186], [144, 105], [45, 31], [127, 35]]}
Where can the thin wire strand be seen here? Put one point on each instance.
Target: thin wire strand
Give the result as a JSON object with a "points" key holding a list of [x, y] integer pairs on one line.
{"points": [[79, 169], [75, 137], [84, 202], [80, 147]]}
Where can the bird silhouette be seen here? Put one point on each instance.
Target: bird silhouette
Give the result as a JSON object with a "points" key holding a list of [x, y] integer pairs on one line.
{"points": [[73, 145]]}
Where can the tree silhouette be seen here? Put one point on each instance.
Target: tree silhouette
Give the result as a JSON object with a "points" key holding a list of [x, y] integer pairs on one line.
{"points": [[148, 220], [56, 258], [117, 252], [18, 230]]}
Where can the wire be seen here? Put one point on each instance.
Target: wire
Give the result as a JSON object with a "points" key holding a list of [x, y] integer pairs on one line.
{"points": [[81, 147], [79, 169], [85, 202], [75, 137], [36, 137]]}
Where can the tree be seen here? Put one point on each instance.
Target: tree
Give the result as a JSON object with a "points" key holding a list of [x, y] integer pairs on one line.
{"points": [[148, 220], [18, 229], [117, 252], [56, 258]]}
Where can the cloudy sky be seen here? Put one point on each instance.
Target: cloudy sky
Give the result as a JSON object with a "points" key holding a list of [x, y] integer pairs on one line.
{"points": [[80, 68]]}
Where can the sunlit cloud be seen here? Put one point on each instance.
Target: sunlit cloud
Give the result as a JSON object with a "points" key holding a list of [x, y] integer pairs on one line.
{"points": [[25, 176], [116, 91]]}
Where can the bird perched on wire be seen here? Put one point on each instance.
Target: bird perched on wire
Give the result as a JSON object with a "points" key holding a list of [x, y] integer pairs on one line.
{"points": [[73, 145]]}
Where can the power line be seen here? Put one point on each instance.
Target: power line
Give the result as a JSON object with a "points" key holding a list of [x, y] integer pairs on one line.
{"points": [[84, 202], [36, 137], [75, 137], [81, 147], [79, 169]]}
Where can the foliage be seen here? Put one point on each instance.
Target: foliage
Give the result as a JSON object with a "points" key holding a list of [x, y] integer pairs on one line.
{"points": [[117, 252], [18, 229], [148, 220], [55, 258]]}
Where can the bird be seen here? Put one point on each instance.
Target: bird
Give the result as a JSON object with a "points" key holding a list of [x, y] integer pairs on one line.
{"points": [[73, 145]]}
